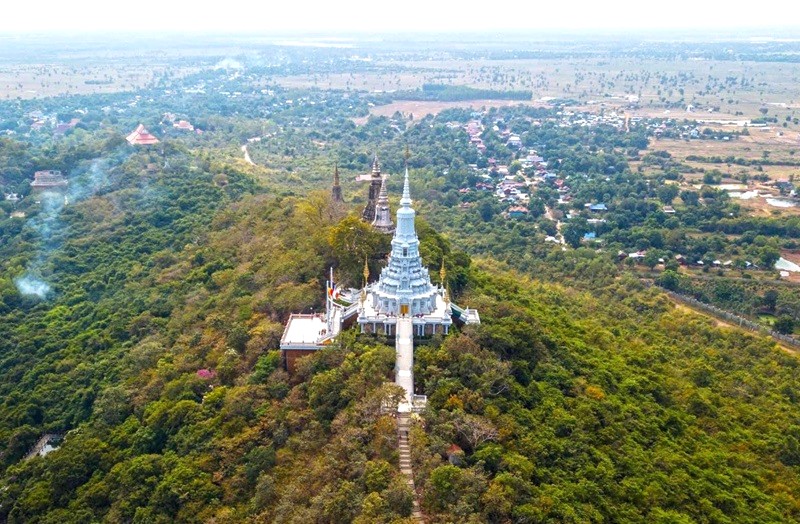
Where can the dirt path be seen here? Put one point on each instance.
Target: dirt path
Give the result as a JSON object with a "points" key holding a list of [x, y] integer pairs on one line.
{"points": [[247, 155], [549, 214]]}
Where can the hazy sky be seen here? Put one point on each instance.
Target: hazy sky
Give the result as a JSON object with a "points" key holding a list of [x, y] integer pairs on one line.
{"points": [[375, 16]]}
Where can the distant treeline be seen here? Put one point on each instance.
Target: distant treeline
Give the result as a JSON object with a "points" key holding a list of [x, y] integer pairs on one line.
{"points": [[447, 93], [785, 228], [741, 161]]}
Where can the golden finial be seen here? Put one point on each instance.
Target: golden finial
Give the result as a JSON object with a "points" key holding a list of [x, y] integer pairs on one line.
{"points": [[366, 279], [443, 277], [408, 154]]}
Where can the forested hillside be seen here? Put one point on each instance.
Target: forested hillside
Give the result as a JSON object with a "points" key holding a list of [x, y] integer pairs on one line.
{"points": [[155, 351], [613, 405], [141, 313]]}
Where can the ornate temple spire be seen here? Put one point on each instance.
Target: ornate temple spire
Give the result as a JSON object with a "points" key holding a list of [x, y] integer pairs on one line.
{"points": [[406, 201], [376, 167], [336, 190], [443, 279], [383, 196], [369, 213], [363, 296], [404, 284], [383, 215]]}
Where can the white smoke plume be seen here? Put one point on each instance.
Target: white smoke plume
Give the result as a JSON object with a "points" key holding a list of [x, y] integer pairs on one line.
{"points": [[48, 223], [30, 285], [229, 63]]}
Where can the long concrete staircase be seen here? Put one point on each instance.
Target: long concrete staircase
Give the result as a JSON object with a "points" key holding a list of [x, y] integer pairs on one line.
{"points": [[403, 425], [404, 365]]}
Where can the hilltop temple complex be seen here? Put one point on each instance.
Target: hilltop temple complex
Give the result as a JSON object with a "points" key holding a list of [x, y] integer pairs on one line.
{"points": [[403, 303]]}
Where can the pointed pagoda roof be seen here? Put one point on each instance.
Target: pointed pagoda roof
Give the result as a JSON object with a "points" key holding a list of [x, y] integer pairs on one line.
{"points": [[405, 200], [370, 212], [383, 215], [376, 167], [141, 137], [405, 279]]}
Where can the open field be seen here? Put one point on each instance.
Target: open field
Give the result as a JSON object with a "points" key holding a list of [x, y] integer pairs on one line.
{"points": [[785, 147], [44, 80], [779, 172], [735, 90], [759, 146], [761, 208]]}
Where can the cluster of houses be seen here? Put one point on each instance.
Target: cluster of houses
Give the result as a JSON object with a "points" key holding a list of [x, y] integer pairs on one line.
{"points": [[639, 256], [671, 129], [655, 126], [509, 188], [586, 119], [180, 125], [475, 129], [40, 122]]}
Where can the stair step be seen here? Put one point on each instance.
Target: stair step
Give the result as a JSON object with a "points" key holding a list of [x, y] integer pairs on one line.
{"points": [[404, 448]]}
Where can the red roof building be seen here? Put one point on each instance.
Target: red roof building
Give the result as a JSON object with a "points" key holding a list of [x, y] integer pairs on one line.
{"points": [[141, 137], [183, 125]]}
